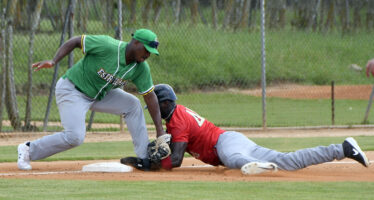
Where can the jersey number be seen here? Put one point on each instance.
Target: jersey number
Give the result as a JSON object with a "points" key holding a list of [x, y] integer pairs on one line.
{"points": [[199, 120]]}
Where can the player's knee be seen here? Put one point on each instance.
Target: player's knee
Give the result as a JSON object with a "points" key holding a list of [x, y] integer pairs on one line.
{"points": [[74, 138], [135, 105]]}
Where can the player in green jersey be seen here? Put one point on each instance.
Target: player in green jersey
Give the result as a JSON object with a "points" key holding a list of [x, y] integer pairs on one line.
{"points": [[94, 83]]}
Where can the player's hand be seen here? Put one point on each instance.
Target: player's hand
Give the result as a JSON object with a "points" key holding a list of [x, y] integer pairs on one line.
{"points": [[370, 68], [160, 133], [44, 64]]}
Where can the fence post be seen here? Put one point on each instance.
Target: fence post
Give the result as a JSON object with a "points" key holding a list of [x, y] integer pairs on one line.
{"points": [[263, 64], [71, 32], [119, 26], [119, 37], [332, 102], [2, 69], [368, 107], [89, 126]]}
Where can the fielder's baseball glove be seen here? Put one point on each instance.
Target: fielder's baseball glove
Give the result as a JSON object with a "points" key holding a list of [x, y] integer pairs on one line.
{"points": [[159, 148]]}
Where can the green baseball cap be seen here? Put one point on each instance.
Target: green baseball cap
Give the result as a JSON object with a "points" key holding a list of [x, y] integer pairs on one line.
{"points": [[148, 38]]}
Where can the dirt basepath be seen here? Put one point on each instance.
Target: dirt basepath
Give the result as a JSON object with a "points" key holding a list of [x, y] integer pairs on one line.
{"points": [[193, 170]]}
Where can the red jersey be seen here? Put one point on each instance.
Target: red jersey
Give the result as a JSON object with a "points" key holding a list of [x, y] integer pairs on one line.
{"points": [[201, 135]]}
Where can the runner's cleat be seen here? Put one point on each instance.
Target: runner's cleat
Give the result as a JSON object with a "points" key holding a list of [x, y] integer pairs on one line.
{"points": [[23, 162], [258, 167], [353, 151]]}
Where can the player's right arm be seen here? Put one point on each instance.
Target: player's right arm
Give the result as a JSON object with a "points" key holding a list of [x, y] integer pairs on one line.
{"points": [[176, 158], [65, 49]]}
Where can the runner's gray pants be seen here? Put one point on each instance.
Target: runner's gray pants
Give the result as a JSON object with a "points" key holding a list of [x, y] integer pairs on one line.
{"points": [[235, 150], [73, 106]]}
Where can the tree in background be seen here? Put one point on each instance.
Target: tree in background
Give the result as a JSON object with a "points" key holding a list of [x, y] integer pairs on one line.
{"points": [[370, 15], [146, 10], [194, 11], [228, 12], [82, 17], [132, 6], [242, 22], [108, 14], [158, 5], [33, 26], [10, 89], [357, 7], [2, 74], [214, 14], [177, 10]]}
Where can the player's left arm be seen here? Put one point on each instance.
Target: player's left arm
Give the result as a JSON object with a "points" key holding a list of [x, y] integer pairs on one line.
{"points": [[176, 158]]}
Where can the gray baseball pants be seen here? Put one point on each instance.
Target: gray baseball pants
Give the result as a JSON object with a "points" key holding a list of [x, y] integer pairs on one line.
{"points": [[235, 150], [73, 106]]}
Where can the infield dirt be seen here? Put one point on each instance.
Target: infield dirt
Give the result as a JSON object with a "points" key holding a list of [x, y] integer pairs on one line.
{"points": [[192, 169]]}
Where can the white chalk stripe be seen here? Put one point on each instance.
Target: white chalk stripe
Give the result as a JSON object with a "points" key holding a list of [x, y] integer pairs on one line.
{"points": [[195, 166], [39, 173]]}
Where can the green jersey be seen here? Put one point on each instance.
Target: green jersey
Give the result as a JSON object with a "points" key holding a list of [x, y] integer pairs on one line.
{"points": [[103, 68]]}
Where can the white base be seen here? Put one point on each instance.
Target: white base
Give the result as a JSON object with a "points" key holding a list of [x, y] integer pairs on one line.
{"points": [[107, 167]]}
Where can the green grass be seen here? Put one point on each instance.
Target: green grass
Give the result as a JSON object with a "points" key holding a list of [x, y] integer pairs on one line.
{"points": [[225, 109], [87, 151], [116, 150], [78, 189]]}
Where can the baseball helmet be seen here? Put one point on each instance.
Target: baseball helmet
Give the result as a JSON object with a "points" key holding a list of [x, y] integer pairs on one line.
{"points": [[165, 92]]}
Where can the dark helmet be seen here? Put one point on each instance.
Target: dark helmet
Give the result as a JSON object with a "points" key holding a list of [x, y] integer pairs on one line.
{"points": [[165, 92]]}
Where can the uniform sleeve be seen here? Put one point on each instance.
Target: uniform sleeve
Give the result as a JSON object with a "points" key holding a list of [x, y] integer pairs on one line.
{"points": [[143, 80], [95, 44]]}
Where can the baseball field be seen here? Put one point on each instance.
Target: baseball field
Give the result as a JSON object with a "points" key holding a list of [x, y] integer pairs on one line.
{"points": [[60, 176], [216, 72]]}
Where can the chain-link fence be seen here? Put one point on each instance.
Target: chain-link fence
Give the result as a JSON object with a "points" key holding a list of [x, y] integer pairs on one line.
{"points": [[210, 52]]}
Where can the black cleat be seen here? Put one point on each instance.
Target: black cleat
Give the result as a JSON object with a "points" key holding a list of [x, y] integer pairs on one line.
{"points": [[353, 151], [138, 163]]}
